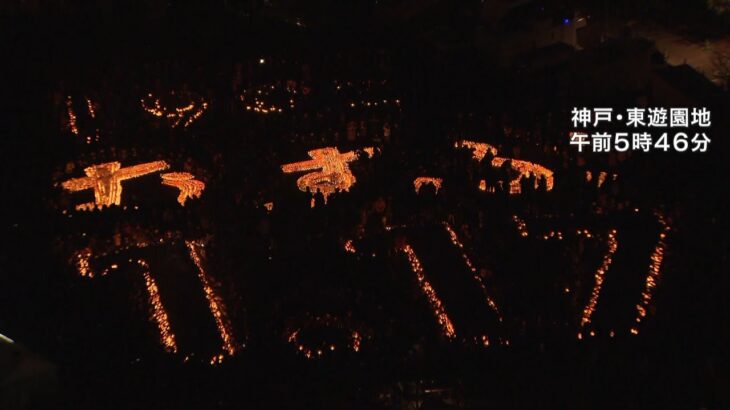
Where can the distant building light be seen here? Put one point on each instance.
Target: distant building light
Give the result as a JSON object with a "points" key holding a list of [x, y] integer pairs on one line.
{"points": [[6, 339], [261, 61], [566, 21]]}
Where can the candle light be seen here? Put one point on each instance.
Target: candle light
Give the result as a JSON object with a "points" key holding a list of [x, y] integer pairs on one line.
{"points": [[420, 181], [189, 113], [106, 181], [215, 303], [599, 276], [525, 168], [159, 314], [455, 240], [655, 265], [187, 184], [334, 173], [436, 305]]}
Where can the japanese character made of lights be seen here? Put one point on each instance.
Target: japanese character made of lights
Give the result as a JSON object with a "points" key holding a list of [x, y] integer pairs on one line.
{"points": [[525, 168], [270, 98], [334, 173], [185, 115], [599, 276], [187, 184], [158, 313], [88, 110], [312, 351], [106, 181]]}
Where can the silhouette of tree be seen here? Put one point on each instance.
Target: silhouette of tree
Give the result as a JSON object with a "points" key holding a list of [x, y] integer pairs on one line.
{"points": [[721, 67], [719, 6]]}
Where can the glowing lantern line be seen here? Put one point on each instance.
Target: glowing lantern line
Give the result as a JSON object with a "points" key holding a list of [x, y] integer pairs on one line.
{"points": [[652, 278], [438, 307], [455, 240], [71, 116], [159, 314], [90, 107], [215, 303], [521, 226], [599, 276]]}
